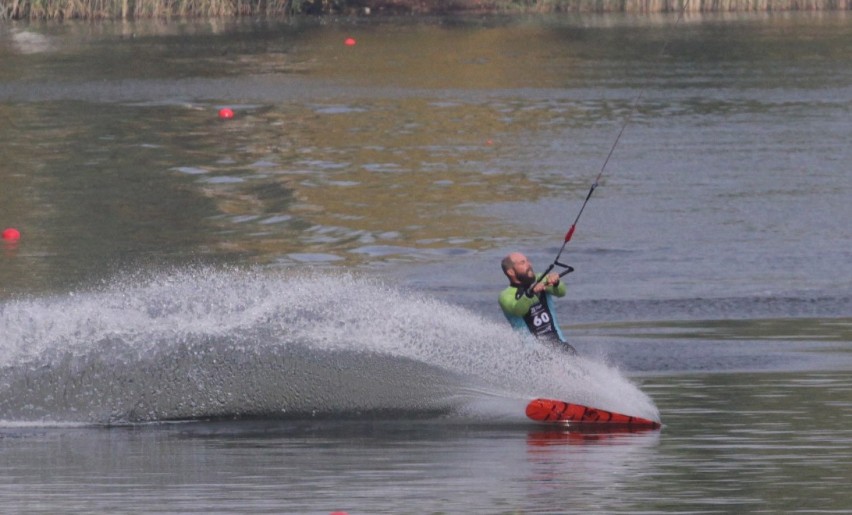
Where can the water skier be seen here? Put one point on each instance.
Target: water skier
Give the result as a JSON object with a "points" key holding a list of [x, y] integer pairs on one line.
{"points": [[528, 300]]}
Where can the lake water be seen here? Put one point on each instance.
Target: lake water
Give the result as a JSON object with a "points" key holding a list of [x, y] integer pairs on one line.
{"points": [[294, 311]]}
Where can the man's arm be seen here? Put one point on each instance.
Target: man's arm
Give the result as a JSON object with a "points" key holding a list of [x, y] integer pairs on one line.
{"points": [[559, 290]]}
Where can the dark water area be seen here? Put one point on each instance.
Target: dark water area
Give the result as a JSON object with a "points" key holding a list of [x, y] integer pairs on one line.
{"points": [[732, 443], [294, 310]]}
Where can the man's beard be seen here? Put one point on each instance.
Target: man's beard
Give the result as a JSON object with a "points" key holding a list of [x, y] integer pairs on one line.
{"points": [[528, 279]]}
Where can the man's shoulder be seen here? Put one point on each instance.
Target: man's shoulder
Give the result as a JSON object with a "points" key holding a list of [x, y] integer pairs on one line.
{"points": [[509, 294]]}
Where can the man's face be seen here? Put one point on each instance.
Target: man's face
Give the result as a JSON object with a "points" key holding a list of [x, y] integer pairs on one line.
{"points": [[523, 269]]}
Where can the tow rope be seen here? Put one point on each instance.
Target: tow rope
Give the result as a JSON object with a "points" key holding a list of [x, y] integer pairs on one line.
{"points": [[567, 269]]}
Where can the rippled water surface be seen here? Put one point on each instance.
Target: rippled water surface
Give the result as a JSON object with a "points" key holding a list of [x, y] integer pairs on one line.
{"points": [[295, 310]]}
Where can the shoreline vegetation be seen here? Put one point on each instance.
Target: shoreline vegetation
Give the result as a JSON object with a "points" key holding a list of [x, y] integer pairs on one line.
{"points": [[146, 9]]}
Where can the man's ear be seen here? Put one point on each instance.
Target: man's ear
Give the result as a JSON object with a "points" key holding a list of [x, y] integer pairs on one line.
{"points": [[510, 273]]}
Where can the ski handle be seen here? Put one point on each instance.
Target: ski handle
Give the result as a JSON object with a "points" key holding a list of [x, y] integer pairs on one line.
{"points": [[567, 269]]}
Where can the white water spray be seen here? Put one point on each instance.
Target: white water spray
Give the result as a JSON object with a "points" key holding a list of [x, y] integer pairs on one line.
{"points": [[211, 343]]}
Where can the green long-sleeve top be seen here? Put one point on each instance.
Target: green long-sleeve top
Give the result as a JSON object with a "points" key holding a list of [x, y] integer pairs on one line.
{"points": [[534, 313]]}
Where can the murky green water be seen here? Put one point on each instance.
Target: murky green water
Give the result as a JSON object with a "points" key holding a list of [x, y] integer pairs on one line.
{"points": [[163, 266]]}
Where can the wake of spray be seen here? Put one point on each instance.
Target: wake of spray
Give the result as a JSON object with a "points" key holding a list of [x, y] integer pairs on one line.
{"points": [[206, 343]]}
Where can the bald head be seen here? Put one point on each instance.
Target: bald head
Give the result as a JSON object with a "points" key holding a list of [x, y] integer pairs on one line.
{"points": [[509, 261]]}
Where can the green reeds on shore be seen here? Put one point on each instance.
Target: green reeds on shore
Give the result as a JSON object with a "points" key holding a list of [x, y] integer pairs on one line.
{"points": [[128, 9]]}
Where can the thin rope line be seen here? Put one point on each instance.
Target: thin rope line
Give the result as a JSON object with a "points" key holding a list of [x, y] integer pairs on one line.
{"points": [[635, 103]]}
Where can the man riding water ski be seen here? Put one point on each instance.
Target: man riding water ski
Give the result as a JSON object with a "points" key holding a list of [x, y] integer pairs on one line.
{"points": [[534, 310]]}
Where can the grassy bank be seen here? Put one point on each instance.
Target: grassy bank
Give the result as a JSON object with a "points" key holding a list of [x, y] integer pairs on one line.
{"points": [[129, 9]]}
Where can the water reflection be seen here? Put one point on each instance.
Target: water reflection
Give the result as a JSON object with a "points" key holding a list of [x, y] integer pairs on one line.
{"points": [[394, 179], [426, 140], [589, 434], [747, 441]]}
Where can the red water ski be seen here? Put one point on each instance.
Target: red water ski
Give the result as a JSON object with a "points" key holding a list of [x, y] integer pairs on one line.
{"points": [[559, 412]]}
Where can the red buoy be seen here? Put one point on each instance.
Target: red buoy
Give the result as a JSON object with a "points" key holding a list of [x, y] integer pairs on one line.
{"points": [[11, 234]]}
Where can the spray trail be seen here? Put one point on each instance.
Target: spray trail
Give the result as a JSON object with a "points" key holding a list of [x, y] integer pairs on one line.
{"points": [[210, 343]]}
